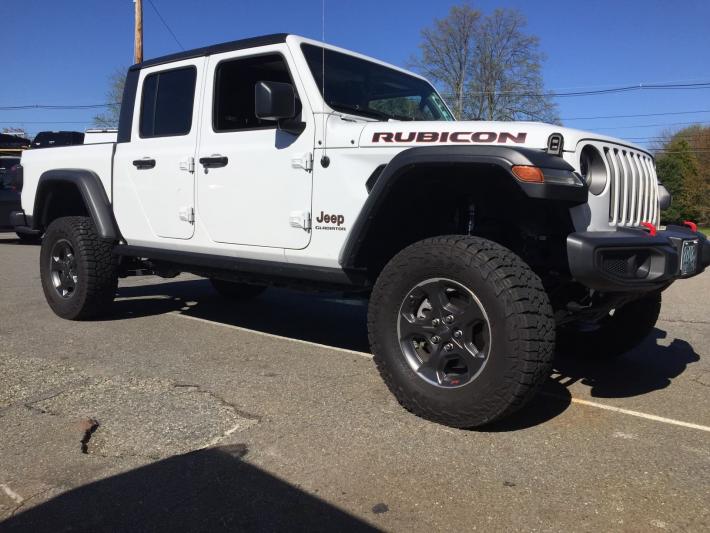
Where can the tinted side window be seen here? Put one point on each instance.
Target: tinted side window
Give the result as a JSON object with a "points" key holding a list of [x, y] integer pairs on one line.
{"points": [[166, 104], [234, 91]]}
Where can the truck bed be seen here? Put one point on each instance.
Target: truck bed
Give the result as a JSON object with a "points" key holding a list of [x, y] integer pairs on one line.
{"points": [[97, 158]]}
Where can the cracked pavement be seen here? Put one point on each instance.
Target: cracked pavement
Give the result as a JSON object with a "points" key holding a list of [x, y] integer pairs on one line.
{"points": [[152, 421]]}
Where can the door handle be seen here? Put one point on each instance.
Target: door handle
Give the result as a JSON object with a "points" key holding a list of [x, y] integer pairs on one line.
{"points": [[146, 162], [214, 161]]}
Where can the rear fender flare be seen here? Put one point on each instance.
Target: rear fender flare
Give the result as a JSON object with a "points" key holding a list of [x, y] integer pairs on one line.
{"points": [[92, 193]]}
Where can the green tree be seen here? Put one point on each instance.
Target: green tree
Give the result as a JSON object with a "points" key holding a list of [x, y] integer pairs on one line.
{"points": [[109, 118], [487, 67], [679, 171]]}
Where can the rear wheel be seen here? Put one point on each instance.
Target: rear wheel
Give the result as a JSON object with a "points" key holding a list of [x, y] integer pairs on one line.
{"points": [[461, 330], [78, 270], [236, 290], [616, 334]]}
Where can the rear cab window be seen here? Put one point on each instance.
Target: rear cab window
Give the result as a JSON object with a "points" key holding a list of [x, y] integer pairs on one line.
{"points": [[167, 103]]}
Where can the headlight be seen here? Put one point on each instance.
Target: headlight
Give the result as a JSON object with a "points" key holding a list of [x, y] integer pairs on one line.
{"points": [[593, 169]]}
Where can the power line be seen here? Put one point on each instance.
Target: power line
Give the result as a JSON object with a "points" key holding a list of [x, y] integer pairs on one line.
{"points": [[666, 137], [45, 122], [612, 90], [662, 151], [639, 115], [651, 125], [703, 85], [165, 24], [46, 106]]}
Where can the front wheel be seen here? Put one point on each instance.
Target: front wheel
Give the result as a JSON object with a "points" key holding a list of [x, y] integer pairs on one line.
{"points": [[78, 270], [461, 330]]}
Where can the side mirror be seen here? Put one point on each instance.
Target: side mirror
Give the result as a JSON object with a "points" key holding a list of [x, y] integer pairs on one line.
{"points": [[274, 100]]}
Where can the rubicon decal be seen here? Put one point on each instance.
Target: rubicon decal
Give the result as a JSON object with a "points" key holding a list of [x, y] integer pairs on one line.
{"points": [[449, 136], [330, 222]]}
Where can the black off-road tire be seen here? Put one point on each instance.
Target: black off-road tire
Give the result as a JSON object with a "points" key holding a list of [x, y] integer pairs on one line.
{"points": [[616, 334], [236, 290], [522, 329], [95, 267]]}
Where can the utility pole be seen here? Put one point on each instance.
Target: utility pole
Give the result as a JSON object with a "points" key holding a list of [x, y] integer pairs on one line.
{"points": [[138, 53]]}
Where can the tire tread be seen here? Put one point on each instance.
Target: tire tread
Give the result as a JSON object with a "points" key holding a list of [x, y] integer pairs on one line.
{"points": [[526, 306]]}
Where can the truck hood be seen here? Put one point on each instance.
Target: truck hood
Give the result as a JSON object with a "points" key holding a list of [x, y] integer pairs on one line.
{"points": [[527, 134]]}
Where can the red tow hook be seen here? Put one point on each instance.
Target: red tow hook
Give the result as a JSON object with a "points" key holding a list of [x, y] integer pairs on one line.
{"points": [[650, 227], [692, 225]]}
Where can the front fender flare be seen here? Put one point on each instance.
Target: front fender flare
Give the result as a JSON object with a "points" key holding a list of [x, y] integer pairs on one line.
{"points": [[92, 192], [504, 157]]}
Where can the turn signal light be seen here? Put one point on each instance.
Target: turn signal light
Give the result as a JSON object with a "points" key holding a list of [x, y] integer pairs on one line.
{"points": [[528, 173]]}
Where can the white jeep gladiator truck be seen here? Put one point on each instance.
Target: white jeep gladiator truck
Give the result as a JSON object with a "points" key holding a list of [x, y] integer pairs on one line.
{"points": [[284, 161]]}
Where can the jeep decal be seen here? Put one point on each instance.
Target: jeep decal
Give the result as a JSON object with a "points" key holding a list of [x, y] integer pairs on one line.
{"points": [[332, 222], [445, 136]]}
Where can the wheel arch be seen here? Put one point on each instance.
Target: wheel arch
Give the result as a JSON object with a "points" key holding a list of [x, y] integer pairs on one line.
{"points": [[481, 173], [67, 192]]}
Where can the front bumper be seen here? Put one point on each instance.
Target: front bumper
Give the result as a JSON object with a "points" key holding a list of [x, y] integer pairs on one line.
{"points": [[631, 259]]}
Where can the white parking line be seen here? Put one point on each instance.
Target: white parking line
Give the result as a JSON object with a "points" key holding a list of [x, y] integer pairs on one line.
{"points": [[639, 414], [579, 401], [12, 494]]}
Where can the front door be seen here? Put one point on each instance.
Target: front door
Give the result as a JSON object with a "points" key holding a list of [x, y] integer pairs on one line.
{"points": [[155, 195], [253, 180]]}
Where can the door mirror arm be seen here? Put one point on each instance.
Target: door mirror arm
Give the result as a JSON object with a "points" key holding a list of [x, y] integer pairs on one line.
{"points": [[294, 126]]}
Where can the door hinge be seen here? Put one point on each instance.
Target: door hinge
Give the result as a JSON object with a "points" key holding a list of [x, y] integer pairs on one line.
{"points": [[305, 162], [300, 219], [188, 164], [187, 214]]}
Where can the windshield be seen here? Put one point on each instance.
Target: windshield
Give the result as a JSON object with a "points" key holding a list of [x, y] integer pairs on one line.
{"points": [[361, 87]]}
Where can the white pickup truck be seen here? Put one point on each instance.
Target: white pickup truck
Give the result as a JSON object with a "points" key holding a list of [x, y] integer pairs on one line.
{"points": [[280, 160]]}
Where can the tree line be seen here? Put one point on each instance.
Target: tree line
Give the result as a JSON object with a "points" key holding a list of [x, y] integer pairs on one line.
{"points": [[683, 164]]}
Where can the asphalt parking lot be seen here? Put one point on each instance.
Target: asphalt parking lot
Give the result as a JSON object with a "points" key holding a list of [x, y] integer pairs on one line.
{"points": [[184, 411]]}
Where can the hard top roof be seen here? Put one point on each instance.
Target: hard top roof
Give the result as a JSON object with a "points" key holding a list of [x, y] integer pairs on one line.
{"points": [[240, 44]]}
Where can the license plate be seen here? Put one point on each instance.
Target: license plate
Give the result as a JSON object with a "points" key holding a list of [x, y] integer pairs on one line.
{"points": [[688, 258]]}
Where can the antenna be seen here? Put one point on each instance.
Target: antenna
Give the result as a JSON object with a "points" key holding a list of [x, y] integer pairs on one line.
{"points": [[325, 160]]}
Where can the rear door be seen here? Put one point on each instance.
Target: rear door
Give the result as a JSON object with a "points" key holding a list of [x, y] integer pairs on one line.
{"points": [[154, 185]]}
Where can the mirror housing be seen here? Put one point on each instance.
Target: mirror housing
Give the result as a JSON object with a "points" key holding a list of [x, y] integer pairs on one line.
{"points": [[664, 197], [275, 100]]}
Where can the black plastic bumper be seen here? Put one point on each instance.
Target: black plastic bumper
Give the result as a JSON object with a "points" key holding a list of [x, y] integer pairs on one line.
{"points": [[631, 259], [22, 223]]}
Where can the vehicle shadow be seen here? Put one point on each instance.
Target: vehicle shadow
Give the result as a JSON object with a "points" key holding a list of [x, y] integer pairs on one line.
{"points": [[323, 318], [332, 320], [204, 490], [648, 367]]}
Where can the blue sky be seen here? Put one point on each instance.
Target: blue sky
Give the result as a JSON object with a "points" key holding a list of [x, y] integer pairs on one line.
{"points": [[62, 52]]}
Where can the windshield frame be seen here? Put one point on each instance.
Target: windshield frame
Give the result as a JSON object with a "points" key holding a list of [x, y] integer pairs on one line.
{"points": [[430, 98]]}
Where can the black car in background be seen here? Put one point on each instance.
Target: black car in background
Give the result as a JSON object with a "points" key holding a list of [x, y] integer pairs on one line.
{"points": [[9, 196], [48, 139]]}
